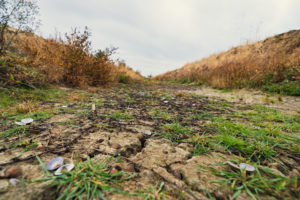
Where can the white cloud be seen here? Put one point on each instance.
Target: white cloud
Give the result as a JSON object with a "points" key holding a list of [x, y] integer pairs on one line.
{"points": [[155, 36]]}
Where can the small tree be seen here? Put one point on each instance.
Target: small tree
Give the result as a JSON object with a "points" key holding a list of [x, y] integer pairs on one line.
{"points": [[16, 16]]}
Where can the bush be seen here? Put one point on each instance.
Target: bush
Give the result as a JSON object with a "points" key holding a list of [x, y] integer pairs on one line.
{"points": [[70, 60], [286, 87], [123, 79]]}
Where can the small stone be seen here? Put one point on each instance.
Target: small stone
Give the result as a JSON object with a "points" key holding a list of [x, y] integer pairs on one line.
{"points": [[39, 146], [140, 136], [116, 146], [12, 172], [129, 167], [114, 171]]}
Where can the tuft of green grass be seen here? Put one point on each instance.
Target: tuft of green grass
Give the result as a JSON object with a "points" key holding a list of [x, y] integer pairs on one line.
{"points": [[118, 115], [158, 114], [13, 96], [176, 132], [262, 181], [88, 180], [286, 87], [266, 134]]}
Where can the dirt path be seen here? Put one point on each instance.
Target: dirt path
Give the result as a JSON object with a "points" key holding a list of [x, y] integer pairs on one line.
{"points": [[288, 104], [150, 130]]}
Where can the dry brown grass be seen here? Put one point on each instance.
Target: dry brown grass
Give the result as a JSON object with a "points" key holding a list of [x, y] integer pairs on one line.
{"points": [[247, 65], [122, 70], [70, 59]]}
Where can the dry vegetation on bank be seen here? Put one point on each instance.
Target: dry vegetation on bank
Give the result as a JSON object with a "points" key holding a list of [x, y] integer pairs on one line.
{"points": [[273, 60], [68, 60]]}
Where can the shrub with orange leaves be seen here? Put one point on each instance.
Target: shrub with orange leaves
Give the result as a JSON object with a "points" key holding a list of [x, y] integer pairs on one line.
{"points": [[69, 60]]}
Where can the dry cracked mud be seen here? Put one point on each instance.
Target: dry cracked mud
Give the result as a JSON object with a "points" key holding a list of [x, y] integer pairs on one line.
{"points": [[116, 129]]}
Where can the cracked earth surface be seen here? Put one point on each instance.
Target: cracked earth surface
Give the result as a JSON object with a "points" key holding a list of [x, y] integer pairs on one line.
{"points": [[116, 128]]}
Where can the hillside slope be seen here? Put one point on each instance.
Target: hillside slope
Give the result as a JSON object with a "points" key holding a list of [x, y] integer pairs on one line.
{"points": [[272, 60], [67, 60]]}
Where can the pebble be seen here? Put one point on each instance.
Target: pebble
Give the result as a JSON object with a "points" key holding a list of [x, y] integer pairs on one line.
{"points": [[114, 171], [12, 172], [116, 146], [129, 167], [140, 136], [39, 146]]}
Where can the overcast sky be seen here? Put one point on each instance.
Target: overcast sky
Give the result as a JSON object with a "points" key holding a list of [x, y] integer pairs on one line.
{"points": [[155, 36]]}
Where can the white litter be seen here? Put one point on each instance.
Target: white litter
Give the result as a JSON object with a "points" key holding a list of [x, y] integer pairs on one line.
{"points": [[67, 167], [24, 122], [147, 132]]}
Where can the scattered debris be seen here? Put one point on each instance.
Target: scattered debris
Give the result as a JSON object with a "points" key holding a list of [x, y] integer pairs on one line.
{"points": [[247, 167], [146, 132], [232, 165], [14, 181], [66, 167], [24, 122], [55, 163], [242, 166]]}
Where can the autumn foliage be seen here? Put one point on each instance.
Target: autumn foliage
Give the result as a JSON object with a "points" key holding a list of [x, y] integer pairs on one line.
{"points": [[70, 59]]}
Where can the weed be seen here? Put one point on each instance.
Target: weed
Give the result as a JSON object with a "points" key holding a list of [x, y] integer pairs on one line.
{"points": [[156, 192], [176, 132], [158, 114], [263, 181], [118, 115], [88, 180]]}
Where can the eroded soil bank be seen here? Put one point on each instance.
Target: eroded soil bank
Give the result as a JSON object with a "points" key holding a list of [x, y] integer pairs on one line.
{"points": [[193, 134]]}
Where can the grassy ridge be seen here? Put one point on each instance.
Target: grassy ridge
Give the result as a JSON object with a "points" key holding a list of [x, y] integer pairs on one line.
{"points": [[272, 64]]}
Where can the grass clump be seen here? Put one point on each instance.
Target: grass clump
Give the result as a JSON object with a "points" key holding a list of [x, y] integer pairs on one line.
{"points": [[119, 115], [176, 132], [262, 181], [286, 87], [88, 180], [267, 134], [158, 114]]}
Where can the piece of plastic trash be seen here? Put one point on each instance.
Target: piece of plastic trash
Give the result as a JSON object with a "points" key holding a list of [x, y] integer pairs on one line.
{"points": [[67, 167], [247, 167], [14, 181], [231, 164], [242, 166], [55, 163], [24, 122], [147, 132]]}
